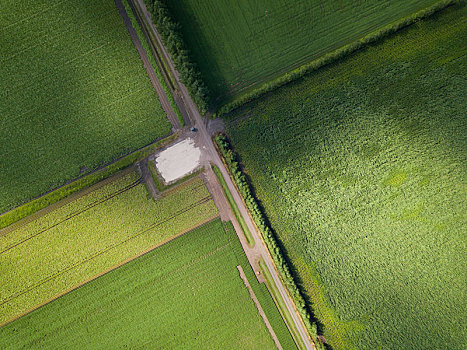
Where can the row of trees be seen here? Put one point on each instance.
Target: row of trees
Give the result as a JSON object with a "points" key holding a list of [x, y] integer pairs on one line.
{"points": [[170, 32], [231, 159], [334, 56]]}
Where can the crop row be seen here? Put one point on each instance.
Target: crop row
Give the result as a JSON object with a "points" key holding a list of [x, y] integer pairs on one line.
{"points": [[169, 298], [91, 234], [358, 169], [231, 159]]}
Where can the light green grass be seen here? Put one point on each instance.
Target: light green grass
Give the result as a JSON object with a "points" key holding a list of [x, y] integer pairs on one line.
{"points": [[234, 207], [280, 303], [74, 94], [86, 236], [186, 294], [238, 44], [361, 169]]}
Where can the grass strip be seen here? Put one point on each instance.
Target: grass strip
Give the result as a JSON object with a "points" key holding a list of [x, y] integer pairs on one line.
{"points": [[66, 190], [261, 292], [233, 205], [146, 44], [156, 49], [157, 178], [280, 304]]}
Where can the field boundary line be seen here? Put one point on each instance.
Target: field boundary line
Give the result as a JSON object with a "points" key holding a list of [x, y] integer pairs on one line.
{"points": [[105, 250], [258, 306], [76, 213], [168, 240]]}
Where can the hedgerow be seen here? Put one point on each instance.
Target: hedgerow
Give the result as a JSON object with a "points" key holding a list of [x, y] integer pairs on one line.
{"points": [[157, 70], [333, 56], [231, 160], [169, 30]]}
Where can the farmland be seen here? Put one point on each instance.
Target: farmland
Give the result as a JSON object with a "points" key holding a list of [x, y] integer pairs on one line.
{"points": [[361, 170], [184, 294], [238, 44], [74, 94], [86, 236]]}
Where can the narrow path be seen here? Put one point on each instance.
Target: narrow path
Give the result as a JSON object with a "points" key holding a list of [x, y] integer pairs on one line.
{"points": [[147, 178], [149, 70], [258, 306], [211, 156]]}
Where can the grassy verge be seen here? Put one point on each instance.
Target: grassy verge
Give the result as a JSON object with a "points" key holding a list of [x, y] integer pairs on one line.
{"points": [[151, 52], [92, 233], [280, 304], [261, 292], [64, 191], [233, 205], [156, 49], [157, 178], [168, 298]]}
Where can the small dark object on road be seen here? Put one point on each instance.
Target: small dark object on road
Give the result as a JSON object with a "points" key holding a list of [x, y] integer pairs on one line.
{"points": [[193, 129]]}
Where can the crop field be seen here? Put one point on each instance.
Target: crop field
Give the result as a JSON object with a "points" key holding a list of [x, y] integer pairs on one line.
{"points": [[89, 235], [74, 94], [238, 44], [361, 169], [186, 294]]}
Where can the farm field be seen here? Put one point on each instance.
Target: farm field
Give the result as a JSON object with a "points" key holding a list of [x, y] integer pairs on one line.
{"points": [[184, 294], [238, 44], [87, 236], [74, 94], [361, 169]]}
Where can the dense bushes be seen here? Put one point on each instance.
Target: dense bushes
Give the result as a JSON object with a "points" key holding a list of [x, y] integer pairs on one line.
{"points": [[333, 56], [170, 33], [231, 159]]}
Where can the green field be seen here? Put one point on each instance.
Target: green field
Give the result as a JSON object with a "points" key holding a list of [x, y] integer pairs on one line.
{"points": [[238, 44], [74, 94], [361, 168], [186, 294], [88, 235]]}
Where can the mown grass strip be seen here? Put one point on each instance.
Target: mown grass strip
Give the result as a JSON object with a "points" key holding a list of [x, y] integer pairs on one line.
{"points": [[233, 205], [159, 182], [261, 291], [280, 304], [149, 48], [79, 184]]}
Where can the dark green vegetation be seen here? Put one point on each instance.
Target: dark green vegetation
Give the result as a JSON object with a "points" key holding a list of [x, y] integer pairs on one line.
{"points": [[169, 31], [238, 44], [74, 94], [60, 193], [89, 235], [231, 159], [146, 44], [233, 206], [184, 294], [361, 169]]}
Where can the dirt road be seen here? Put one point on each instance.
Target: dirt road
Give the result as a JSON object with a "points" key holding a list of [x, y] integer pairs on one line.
{"points": [[149, 70], [210, 156]]}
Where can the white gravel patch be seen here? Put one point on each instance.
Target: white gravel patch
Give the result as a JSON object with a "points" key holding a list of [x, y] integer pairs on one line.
{"points": [[178, 160]]}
